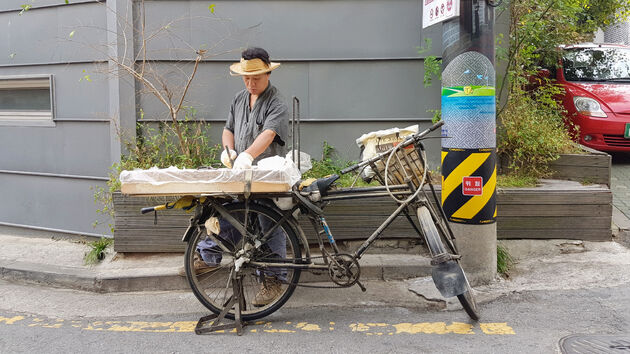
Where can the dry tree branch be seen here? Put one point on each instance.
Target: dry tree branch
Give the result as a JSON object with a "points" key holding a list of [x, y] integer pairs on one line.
{"points": [[200, 54]]}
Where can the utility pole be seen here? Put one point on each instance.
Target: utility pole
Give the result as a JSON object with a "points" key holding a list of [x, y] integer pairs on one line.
{"points": [[469, 135]]}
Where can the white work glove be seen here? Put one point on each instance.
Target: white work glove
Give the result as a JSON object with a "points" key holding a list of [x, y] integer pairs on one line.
{"points": [[227, 159], [243, 161]]}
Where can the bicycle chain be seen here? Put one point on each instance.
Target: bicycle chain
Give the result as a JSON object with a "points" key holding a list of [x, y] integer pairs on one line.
{"points": [[316, 286]]}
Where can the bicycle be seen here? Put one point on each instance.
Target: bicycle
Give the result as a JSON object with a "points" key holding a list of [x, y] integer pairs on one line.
{"points": [[247, 258]]}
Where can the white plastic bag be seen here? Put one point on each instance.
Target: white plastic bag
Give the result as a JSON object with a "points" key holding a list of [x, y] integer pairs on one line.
{"points": [[281, 164], [374, 143], [305, 160]]}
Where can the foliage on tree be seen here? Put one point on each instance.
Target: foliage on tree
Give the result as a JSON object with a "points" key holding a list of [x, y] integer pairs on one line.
{"points": [[531, 130]]}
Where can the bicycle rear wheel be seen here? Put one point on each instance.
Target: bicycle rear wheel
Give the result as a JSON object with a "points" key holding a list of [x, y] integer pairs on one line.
{"points": [[436, 238], [213, 287]]}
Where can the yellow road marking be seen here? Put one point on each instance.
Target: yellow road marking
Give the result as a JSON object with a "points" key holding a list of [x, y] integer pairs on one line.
{"points": [[308, 326], [434, 328], [278, 331], [11, 320], [496, 328], [285, 327]]}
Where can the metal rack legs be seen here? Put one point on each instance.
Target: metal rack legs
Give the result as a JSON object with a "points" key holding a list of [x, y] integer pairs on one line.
{"points": [[236, 302]]}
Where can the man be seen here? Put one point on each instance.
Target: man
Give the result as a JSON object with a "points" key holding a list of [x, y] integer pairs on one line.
{"points": [[256, 128], [257, 124]]}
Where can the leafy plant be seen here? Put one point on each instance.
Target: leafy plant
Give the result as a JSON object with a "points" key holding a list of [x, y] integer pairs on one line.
{"points": [[432, 68], [516, 180], [24, 9], [532, 134], [156, 146], [532, 130], [432, 65], [504, 261], [161, 146], [97, 250], [330, 164], [437, 115], [181, 142]]}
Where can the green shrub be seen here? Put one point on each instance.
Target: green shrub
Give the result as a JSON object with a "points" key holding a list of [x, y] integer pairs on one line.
{"points": [[531, 130], [516, 180], [531, 135], [330, 164], [97, 250], [158, 144]]}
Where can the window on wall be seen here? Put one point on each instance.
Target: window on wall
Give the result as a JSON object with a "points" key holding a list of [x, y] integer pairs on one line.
{"points": [[26, 100]]}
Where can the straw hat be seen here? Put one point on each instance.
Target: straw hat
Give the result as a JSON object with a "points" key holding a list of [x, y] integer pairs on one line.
{"points": [[251, 67]]}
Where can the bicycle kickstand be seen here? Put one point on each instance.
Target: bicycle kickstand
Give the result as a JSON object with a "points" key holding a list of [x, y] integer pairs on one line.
{"points": [[235, 301]]}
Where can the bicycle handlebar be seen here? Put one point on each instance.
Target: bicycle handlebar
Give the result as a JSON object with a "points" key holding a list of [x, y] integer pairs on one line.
{"points": [[153, 208], [404, 143], [147, 210]]}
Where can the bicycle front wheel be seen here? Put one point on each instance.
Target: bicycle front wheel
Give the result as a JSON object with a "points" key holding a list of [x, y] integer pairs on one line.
{"points": [[468, 303], [265, 290], [435, 238]]}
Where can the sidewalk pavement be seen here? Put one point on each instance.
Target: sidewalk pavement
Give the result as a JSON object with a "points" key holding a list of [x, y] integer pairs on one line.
{"points": [[59, 263], [540, 265]]}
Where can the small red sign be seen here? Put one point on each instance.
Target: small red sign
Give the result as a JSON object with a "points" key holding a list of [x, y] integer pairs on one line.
{"points": [[472, 186]]}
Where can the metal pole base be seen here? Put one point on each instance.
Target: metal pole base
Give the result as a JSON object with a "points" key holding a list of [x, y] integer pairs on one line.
{"points": [[236, 302]]}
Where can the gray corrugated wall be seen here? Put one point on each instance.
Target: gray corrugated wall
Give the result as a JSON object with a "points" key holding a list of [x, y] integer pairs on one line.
{"points": [[46, 173], [353, 64]]}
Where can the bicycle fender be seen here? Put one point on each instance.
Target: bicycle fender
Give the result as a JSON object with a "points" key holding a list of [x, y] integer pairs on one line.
{"points": [[302, 239], [449, 278], [189, 231], [310, 206]]}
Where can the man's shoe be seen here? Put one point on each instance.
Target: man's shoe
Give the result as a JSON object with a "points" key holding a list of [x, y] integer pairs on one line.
{"points": [[270, 289], [199, 266]]}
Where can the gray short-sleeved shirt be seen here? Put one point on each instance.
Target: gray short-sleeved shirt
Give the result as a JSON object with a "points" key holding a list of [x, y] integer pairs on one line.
{"points": [[269, 112]]}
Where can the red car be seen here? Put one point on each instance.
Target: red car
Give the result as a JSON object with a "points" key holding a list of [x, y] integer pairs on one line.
{"points": [[596, 78]]}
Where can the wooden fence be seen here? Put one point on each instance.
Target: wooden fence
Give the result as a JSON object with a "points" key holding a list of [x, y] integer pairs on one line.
{"points": [[556, 209]]}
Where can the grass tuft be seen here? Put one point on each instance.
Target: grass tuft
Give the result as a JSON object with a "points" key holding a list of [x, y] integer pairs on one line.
{"points": [[516, 180], [97, 251], [504, 261]]}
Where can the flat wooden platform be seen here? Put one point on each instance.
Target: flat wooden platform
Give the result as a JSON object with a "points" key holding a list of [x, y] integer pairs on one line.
{"points": [[173, 181], [183, 188]]}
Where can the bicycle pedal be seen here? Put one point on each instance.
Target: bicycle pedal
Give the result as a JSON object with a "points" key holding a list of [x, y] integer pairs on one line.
{"points": [[363, 289]]}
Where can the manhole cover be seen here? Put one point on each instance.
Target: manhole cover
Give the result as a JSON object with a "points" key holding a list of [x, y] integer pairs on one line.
{"points": [[593, 343]]}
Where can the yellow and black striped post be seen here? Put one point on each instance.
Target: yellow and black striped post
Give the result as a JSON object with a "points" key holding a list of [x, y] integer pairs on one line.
{"points": [[469, 136], [469, 180]]}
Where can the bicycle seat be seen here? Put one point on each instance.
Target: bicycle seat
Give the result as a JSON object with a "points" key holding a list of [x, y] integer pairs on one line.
{"points": [[322, 185]]}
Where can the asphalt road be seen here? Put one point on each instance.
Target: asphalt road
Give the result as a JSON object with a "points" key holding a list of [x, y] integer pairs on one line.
{"points": [[523, 322]]}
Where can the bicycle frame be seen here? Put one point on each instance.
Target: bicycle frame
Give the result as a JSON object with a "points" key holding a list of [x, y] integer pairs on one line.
{"points": [[254, 255], [404, 191]]}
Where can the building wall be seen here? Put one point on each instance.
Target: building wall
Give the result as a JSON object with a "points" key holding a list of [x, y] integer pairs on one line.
{"points": [[353, 64], [47, 171], [619, 33], [349, 62]]}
